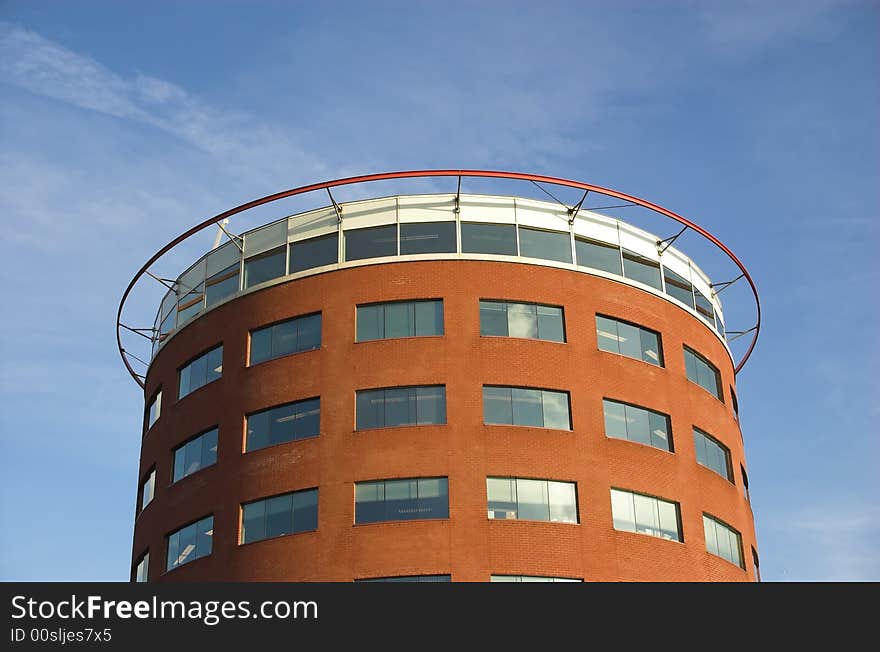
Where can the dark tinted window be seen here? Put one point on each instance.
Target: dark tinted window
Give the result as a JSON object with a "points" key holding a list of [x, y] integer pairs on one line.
{"points": [[520, 406], [314, 252], [628, 339], [641, 269], [283, 338], [678, 287], [427, 238], [196, 454], [207, 368], [401, 406], [401, 500], [723, 540], [598, 255], [264, 267], [399, 319], [530, 578], [190, 543], [637, 424], [222, 285], [529, 320], [283, 423], [479, 238], [371, 242], [705, 308], [712, 454], [703, 373], [409, 578], [279, 515], [549, 245]]}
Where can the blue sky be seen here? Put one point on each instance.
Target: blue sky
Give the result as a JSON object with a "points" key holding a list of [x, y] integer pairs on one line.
{"points": [[120, 128]]}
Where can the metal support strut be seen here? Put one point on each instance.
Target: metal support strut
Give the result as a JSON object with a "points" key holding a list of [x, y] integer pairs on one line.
{"points": [[336, 207], [140, 331], [724, 285], [573, 212], [667, 242], [163, 281], [457, 208], [739, 334]]}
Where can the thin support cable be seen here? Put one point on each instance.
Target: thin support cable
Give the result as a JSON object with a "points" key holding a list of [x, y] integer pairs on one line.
{"points": [[552, 196], [132, 355], [573, 212], [739, 334], [724, 285], [663, 245], [457, 208], [336, 207], [140, 331], [232, 237], [163, 281], [599, 208]]}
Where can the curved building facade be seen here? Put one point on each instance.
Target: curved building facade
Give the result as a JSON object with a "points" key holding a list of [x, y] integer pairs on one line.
{"points": [[442, 387]]}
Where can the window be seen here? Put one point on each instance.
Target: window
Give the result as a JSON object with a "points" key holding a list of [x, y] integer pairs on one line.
{"points": [[678, 287], [409, 578], [400, 406], [314, 252], [221, 285], [264, 267], [705, 308], [640, 425], [401, 500], [532, 500], [142, 570], [745, 478], [477, 238], [641, 269], [712, 454], [427, 238], [757, 564], [529, 320], [283, 423], [190, 543], [191, 303], [154, 409], [285, 337], [195, 455], [723, 540], [734, 403], [628, 339], [378, 321], [598, 255], [703, 373], [372, 242], [207, 368], [656, 517], [148, 488], [519, 406], [549, 245], [529, 578], [277, 516]]}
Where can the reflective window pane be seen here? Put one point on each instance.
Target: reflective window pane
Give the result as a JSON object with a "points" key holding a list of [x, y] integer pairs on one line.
{"points": [[195, 455], [712, 454], [221, 285], [154, 409], [528, 320], [637, 424], [142, 571], [190, 543], [537, 500], [627, 339], [400, 406], [527, 410], [623, 511], [283, 423], [529, 578], [598, 255], [522, 320], [207, 368], [400, 319], [563, 502], [551, 324], [549, 245], [533, 503], [641, 269], [705, 308], [264, 267], [409, 578], [556, 410], [501, 494], [277, 516], [497, 405], [497, 239], [634, 512], [427, 238], [678, 287], [401, 500], [148, 489], [286, 337], [371, 242], [314, 252], [493, 318], [703, 373]]}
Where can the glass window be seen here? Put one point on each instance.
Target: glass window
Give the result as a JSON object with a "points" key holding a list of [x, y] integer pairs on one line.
{"points": [[598, 255], [207, 368], [379, 321], [190, 543], [704, 307], [191, 303], [221, 285], [277, 516], [148, 488], [529, 320], [409, 578], [195, 455], [678, 287], [703, 373], [723, 540], [520, 406], [264, 267], [712, 454], [478, 238], [757, 564], [529, 578], [286, 337], [427, 238], [628, 339], [372, 242], [637, 424], [154, 409], [142, 570], [283, 423], [549, 245], [314, 252], [633, 512], [641, 269], [401, 500], [734, 403], [745, 479], [535, 500], [401, 406]]}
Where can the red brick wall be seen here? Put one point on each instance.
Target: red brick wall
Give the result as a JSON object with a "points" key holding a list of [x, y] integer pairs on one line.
{"points": [[468, 545]]}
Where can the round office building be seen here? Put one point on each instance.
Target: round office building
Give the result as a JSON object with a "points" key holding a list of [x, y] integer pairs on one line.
{"points": [[443, 386]]}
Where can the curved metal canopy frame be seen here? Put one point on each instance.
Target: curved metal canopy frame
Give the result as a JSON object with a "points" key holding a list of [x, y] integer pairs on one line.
{"points": [[411, 174]]}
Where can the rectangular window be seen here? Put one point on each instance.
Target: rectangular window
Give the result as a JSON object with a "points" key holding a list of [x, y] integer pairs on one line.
{"points": [[148, 489], [277, 516], [734, 403], [757, 564], [678, 287], [409, 578], [598, 255], [427, 238], [379, 321], [283, 423], [314, 252], [533, 500], [265, 266], [400, 406], [191, 303], [628, 339], [705, 308], [712, 454], [549, 245], [641, 269], [478, 238], [530, 578], [723, 540], [154, 409], [401, 500], [142, 570], [286, 337], [745, 479], [703, 373], [221, 285], [520, 406], [190, 543], [528, 320], [637, 424], [656, 517], [372, 242], [205, 369], [195, 455]]}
